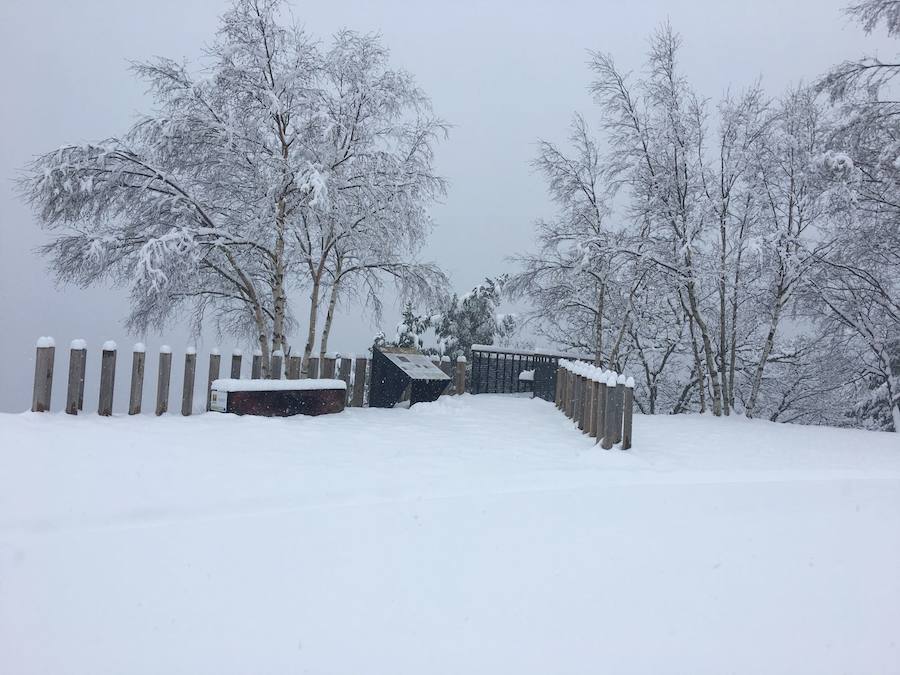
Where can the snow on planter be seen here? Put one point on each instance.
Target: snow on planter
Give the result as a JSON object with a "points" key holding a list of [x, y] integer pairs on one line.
{"points": [[278, 398]]}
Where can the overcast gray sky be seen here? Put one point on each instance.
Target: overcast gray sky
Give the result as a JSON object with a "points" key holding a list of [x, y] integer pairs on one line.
{"points": [[503, 73]]}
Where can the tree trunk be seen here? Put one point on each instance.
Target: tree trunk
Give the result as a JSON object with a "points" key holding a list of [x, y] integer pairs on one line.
{"points": [[313, 318], [329, 315], [767, 349], [598, 327], [707, 345], [723, 345]]}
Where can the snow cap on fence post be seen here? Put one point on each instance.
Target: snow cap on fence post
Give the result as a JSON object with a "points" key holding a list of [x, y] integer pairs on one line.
{"points": [[139, 347], [165, 349]]}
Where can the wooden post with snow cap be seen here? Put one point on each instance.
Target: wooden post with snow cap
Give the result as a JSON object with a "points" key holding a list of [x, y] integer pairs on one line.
{"points": [[162, 380], [591, 429], [582, 393], [45, 354], [293, 368], [628, 410], [344, 371], [570, 394], [75, 385], [585, 392], [136, 394], [107, 378], [460, 374], [312, 368], [328, 366], [600, 407], [236, 356], [557, 396], [359, 383], [277, 365], [190, 373], [215, 364], [588, 405], [256, 365], [609, 428], [620, 400], [447, 369]]}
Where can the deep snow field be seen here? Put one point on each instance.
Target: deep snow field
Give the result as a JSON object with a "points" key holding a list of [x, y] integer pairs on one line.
{"points": [[477, 534]]}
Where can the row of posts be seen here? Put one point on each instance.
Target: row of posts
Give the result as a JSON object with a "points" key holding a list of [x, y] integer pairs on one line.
{"points": [[332, 366], [600, 403]]}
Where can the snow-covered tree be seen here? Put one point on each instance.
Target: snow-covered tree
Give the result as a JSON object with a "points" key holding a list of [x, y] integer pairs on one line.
{"points": [[247, 177], [474, 318], [858, 284]]}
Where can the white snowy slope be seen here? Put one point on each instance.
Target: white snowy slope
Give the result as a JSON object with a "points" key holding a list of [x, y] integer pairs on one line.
{"points": [[477, 534]]}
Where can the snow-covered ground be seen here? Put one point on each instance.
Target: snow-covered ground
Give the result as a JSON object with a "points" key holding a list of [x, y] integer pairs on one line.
{"points": [[473, 535]]}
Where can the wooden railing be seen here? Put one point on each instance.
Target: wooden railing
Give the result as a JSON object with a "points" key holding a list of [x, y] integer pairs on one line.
{"points": [[600, 402]]}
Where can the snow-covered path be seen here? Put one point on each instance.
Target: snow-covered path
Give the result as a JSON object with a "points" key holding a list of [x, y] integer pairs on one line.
{"points": [[474, 535]]}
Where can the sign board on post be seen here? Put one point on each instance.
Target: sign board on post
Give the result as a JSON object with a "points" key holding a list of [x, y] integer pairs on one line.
{"points": [[398, 369]]}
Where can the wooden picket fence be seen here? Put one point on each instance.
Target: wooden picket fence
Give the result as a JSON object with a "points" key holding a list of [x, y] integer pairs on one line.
{"points": [[353, 371], [600, 402]]}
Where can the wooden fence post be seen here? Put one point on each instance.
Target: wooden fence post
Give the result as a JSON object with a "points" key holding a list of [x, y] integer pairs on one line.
{"points": [[557, 396], [43, 374], [75, 388], [344, 371], [277, 365], [359, 383], [570, 395], [328, 367], [629, 409], [585, 390], [609, 429], [620, 399], [236, 356], [256, 365], [600, 408], [190, 372], [591, 427], [215, 363], [447, 369], [312, 368], [107, 378], [293, 367], [162, 380], [136, 395], [460, 374]]}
